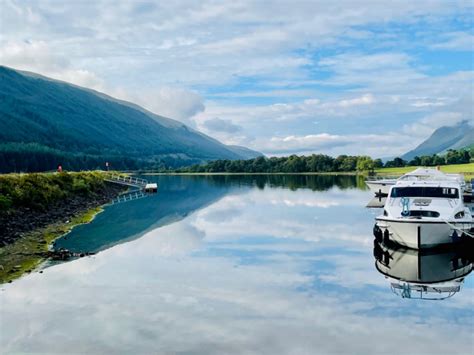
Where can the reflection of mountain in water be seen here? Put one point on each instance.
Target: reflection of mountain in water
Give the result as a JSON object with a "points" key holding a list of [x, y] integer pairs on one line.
{"points": [[425, 274], [177, 197]]}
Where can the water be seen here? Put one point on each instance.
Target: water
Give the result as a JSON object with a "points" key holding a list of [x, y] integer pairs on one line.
{"points": [[224, 265]]}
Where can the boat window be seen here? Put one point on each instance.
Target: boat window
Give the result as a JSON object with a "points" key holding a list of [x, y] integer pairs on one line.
{"points": [[417, 213], [443, 192]]}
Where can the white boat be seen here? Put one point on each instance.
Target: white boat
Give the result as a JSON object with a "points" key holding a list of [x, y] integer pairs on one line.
{"points": [[382, 187], [422, 214], [430, 274]]}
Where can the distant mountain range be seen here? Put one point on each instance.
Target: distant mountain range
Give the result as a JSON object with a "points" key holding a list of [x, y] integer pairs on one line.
{"points": [[458, 136], [53, 121]]}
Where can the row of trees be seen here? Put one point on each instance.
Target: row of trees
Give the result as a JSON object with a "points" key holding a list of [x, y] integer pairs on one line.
{"points": [[323, 163], [291, 164], [463, 156]]}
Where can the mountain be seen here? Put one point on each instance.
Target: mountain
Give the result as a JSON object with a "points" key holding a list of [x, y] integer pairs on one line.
{"points": [[458, 136], [44, 122], [245, 153]]}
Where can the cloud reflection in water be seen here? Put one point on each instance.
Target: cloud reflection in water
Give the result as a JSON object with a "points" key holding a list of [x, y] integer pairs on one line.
{"points": [[247, 274]]}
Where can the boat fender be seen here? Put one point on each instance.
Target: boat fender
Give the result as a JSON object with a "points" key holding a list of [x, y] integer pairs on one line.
{"points": [[405, 206], [377, 233], [386, 236], [455, 236]]}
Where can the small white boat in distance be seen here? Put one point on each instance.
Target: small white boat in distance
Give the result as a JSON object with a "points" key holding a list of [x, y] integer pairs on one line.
{"points": [[423, 214], [382, 187], [151, 187]]}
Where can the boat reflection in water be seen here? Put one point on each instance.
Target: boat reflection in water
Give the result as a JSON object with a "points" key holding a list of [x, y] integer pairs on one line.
{"points": [[433, 274]]}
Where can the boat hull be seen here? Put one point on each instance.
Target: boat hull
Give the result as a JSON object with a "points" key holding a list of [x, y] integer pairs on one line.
{"points": [[422, 234]]}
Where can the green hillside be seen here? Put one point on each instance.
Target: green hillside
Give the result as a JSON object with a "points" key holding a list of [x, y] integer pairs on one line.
{"points": [[447, 137], [45, 122]]}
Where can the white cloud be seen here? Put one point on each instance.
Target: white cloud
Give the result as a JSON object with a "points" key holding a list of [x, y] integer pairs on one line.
{"points": [[381, 71], [427, 125], [363, 100], [219, 125], [37, 56], [461, 41], [176, 103], [311, 142], [364, 144]]}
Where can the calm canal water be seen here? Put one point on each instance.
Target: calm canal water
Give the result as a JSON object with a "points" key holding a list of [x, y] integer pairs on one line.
{"points": [[232, 265]]}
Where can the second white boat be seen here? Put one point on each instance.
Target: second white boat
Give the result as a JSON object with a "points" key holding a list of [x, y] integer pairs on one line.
{"points": [[382, 186]]}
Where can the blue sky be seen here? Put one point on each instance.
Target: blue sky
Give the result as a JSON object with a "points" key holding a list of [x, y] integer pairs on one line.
{"points": [[356, 77]]}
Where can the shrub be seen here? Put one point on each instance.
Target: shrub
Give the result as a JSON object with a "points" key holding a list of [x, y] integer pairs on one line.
{"points": [[5, 203]]}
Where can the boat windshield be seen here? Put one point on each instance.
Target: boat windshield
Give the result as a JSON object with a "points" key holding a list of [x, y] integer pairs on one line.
{"points": [[443, 192]]}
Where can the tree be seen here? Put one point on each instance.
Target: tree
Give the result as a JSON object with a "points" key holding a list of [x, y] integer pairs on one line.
{"points": [[426, 160], [416, 161], [365, 163], [395, 163], [378, 163]]}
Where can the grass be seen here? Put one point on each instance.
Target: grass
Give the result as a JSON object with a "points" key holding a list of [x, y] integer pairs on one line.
{"points": [[466, 169], [27, 253]]}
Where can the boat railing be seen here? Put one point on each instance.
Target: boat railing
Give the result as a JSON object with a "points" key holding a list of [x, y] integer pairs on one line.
{"points": [[381, 177], [425, 292]]}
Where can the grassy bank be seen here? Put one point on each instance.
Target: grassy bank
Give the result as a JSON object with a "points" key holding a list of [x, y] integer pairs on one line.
{"points": [[36, 209], [466, 169], [38, 191]]}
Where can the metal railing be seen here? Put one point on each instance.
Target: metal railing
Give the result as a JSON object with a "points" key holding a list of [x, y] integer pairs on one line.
{"points": [[128, 197], [126, 180]]}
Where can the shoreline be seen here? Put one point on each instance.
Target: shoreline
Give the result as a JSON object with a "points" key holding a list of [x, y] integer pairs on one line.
{"points": [[347, 173], [466, 169], [23, 251], [25, 255]]}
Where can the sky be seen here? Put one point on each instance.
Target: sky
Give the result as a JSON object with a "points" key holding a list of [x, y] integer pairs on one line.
{"points": [[335, 77]]}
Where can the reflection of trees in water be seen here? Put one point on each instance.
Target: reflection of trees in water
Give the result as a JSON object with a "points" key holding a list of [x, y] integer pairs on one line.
{"points": [[177, 197], [292, 182]]}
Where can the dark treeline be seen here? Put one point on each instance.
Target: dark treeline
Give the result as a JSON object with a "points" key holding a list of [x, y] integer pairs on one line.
{"points": [[291, 164], [33, 157], [323, 163]]}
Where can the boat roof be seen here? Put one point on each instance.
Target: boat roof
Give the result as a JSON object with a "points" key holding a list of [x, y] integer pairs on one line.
{"points": [[429, 183], [435, 174], [425, 172]]}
